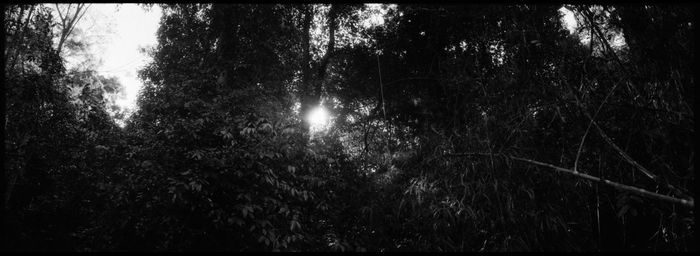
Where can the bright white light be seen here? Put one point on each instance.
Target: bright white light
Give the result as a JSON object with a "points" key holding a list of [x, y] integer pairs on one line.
{"points": [[376, 14], [318, 118], [135, 28], [568, 19]]}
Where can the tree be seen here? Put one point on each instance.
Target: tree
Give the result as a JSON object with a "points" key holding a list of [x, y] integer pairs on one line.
{"points": [[456, 128], [68, 19]]}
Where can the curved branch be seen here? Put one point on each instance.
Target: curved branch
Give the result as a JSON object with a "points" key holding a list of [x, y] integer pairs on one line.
{"points": [[583, 139]]}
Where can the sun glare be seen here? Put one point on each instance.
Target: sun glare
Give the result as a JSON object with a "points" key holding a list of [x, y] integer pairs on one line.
{"points": [[318, 118]]}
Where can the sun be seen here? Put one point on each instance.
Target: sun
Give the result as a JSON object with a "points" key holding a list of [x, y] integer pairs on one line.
{"points": [[318, 118]]}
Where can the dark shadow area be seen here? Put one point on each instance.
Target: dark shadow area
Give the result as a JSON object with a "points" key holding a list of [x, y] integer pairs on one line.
{"points": [[354, 127]]}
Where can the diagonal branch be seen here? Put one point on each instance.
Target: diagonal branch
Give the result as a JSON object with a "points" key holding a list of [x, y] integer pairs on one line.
{"points": [[623, 154], [69, 23], [583, 139], [58, 9], [636, 190], [81, 15], [639, 191], [595, 28]]}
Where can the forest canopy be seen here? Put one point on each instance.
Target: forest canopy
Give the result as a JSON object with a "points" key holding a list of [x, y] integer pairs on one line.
{"points": [[356, 127]]}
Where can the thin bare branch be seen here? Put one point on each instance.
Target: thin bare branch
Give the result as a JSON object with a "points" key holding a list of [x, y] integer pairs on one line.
{"points": [[67, 28], [583, 139], [79, 17], [60, 15], [587, 13], [623, 187], [636, 190], [621, 152]]}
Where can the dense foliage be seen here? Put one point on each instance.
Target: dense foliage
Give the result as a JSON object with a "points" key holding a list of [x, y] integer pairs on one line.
{"points": [[446, 122]]}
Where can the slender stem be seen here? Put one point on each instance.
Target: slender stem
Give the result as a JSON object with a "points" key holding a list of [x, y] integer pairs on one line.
{"points": [[381, 87], [597, 198], [583, 139]]}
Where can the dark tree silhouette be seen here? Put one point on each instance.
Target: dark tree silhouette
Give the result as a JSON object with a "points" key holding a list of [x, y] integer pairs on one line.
{"points": [[453, 128]]}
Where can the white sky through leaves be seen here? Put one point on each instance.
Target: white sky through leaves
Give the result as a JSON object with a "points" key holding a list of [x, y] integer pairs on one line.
{"points": [[121, 30], [118, 31], [568, 20]]}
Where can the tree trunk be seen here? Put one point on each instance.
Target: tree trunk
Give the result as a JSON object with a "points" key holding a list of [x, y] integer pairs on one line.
{"points": [[68, 23], [20, 37], [226, 17], [306, 99], [314, 85]]}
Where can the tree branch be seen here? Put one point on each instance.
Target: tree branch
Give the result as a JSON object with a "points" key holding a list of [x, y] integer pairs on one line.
{"points": [[583, 139], [68, 29], [639, 191], [618, 149], [60, 15], [623, 154], [595, 28]]}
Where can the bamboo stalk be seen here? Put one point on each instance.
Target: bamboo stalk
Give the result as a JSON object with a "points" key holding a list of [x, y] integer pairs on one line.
{"points": [[621, 152], [689, 203], [583, 139]]}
